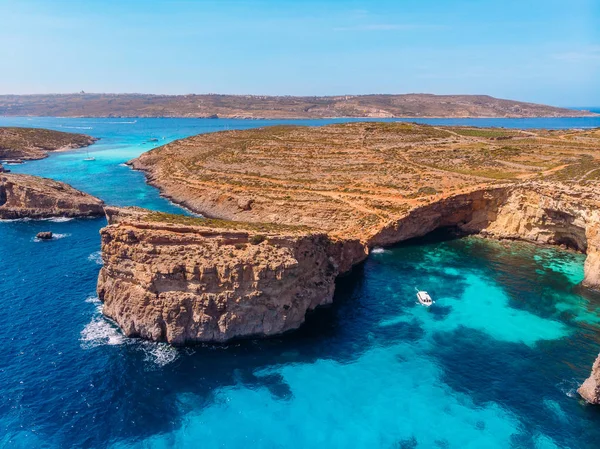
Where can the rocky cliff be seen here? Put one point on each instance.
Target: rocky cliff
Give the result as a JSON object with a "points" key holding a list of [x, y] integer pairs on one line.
{"points": [[24, 196], [356, 186], [183, 280], [590, 390]]}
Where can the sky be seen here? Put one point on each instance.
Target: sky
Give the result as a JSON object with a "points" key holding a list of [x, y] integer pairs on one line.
{"points": [[545, 51]]}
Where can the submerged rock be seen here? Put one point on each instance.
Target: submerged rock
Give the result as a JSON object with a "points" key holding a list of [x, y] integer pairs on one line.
{"points": [[590, 389], [45, 235], [25, 196]]}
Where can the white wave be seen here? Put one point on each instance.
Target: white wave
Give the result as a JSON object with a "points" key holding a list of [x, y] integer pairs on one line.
{"points": [[160, 354], [53, 219], [569, 387], [59, 219], [120, 123], [94, 300], [378, 250], [100, 332], [123, 165], [14, 220], [96, 257]]}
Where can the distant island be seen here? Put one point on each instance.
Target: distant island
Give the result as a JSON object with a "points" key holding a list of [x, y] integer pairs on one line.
{"points": [[276, 107], [35, 143]]}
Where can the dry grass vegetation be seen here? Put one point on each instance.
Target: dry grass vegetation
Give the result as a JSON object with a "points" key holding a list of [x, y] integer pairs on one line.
{"points": [[257, 106], [33, 143], [352, 178]]}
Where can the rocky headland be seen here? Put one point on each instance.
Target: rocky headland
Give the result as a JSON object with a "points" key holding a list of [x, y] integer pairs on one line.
{"points": [[25, 196], [35, 143], [294, 207], [260, 106]]}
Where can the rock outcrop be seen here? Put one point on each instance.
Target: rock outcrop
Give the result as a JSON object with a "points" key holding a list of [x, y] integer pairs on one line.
{"points": [[590, 390], [44, 235], [25, 196], [182, 280]]}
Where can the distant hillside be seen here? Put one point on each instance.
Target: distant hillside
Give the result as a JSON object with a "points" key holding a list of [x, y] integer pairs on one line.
{"points": [[252, 106]]}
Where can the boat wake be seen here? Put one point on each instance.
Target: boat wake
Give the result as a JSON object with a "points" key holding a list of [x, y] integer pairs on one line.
{"points": [[75, 127]]}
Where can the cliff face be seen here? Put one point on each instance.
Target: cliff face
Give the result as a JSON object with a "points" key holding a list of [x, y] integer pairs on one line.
{"points": [[590, 390], [184, 283], [553, 214], [538, 212], [24, 196]]}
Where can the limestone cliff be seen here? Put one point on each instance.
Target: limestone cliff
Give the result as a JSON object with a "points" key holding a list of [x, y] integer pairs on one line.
{"points": [[182, 280], [590, 390], [25, 196]]}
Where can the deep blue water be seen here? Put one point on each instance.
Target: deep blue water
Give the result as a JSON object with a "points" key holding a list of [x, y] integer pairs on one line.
{"points": [[493, 364]]}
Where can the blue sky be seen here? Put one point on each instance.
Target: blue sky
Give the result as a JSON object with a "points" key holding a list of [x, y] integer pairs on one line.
{"points": [[544, 51]]}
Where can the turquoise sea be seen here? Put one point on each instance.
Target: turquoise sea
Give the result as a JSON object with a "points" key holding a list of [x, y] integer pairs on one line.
{"points": [[493, 364]]}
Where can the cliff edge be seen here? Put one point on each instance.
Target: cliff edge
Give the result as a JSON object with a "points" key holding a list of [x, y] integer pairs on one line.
{"points": [[182, 280], [25, 196]]}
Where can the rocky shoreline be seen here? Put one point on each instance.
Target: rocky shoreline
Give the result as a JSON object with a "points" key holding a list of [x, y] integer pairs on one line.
{"points": [[25, 196]]}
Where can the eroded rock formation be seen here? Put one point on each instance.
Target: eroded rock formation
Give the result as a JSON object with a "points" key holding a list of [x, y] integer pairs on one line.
{"points": [[25, 196], [186, 281], [181, 279], [590, 390]]}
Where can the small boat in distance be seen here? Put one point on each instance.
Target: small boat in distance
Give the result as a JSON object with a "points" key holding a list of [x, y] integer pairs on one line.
{"points": [[424, 297], [88, 157]]}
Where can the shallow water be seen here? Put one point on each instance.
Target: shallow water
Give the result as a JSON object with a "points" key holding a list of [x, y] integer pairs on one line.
{"points": [[494, 362]]}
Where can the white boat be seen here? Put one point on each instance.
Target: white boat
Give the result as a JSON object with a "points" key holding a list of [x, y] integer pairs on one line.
{"points": [[424, 297], [88, 157]]}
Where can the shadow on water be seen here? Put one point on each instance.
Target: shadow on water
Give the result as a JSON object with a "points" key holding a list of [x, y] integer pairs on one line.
{"points": [[132, 401]]}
